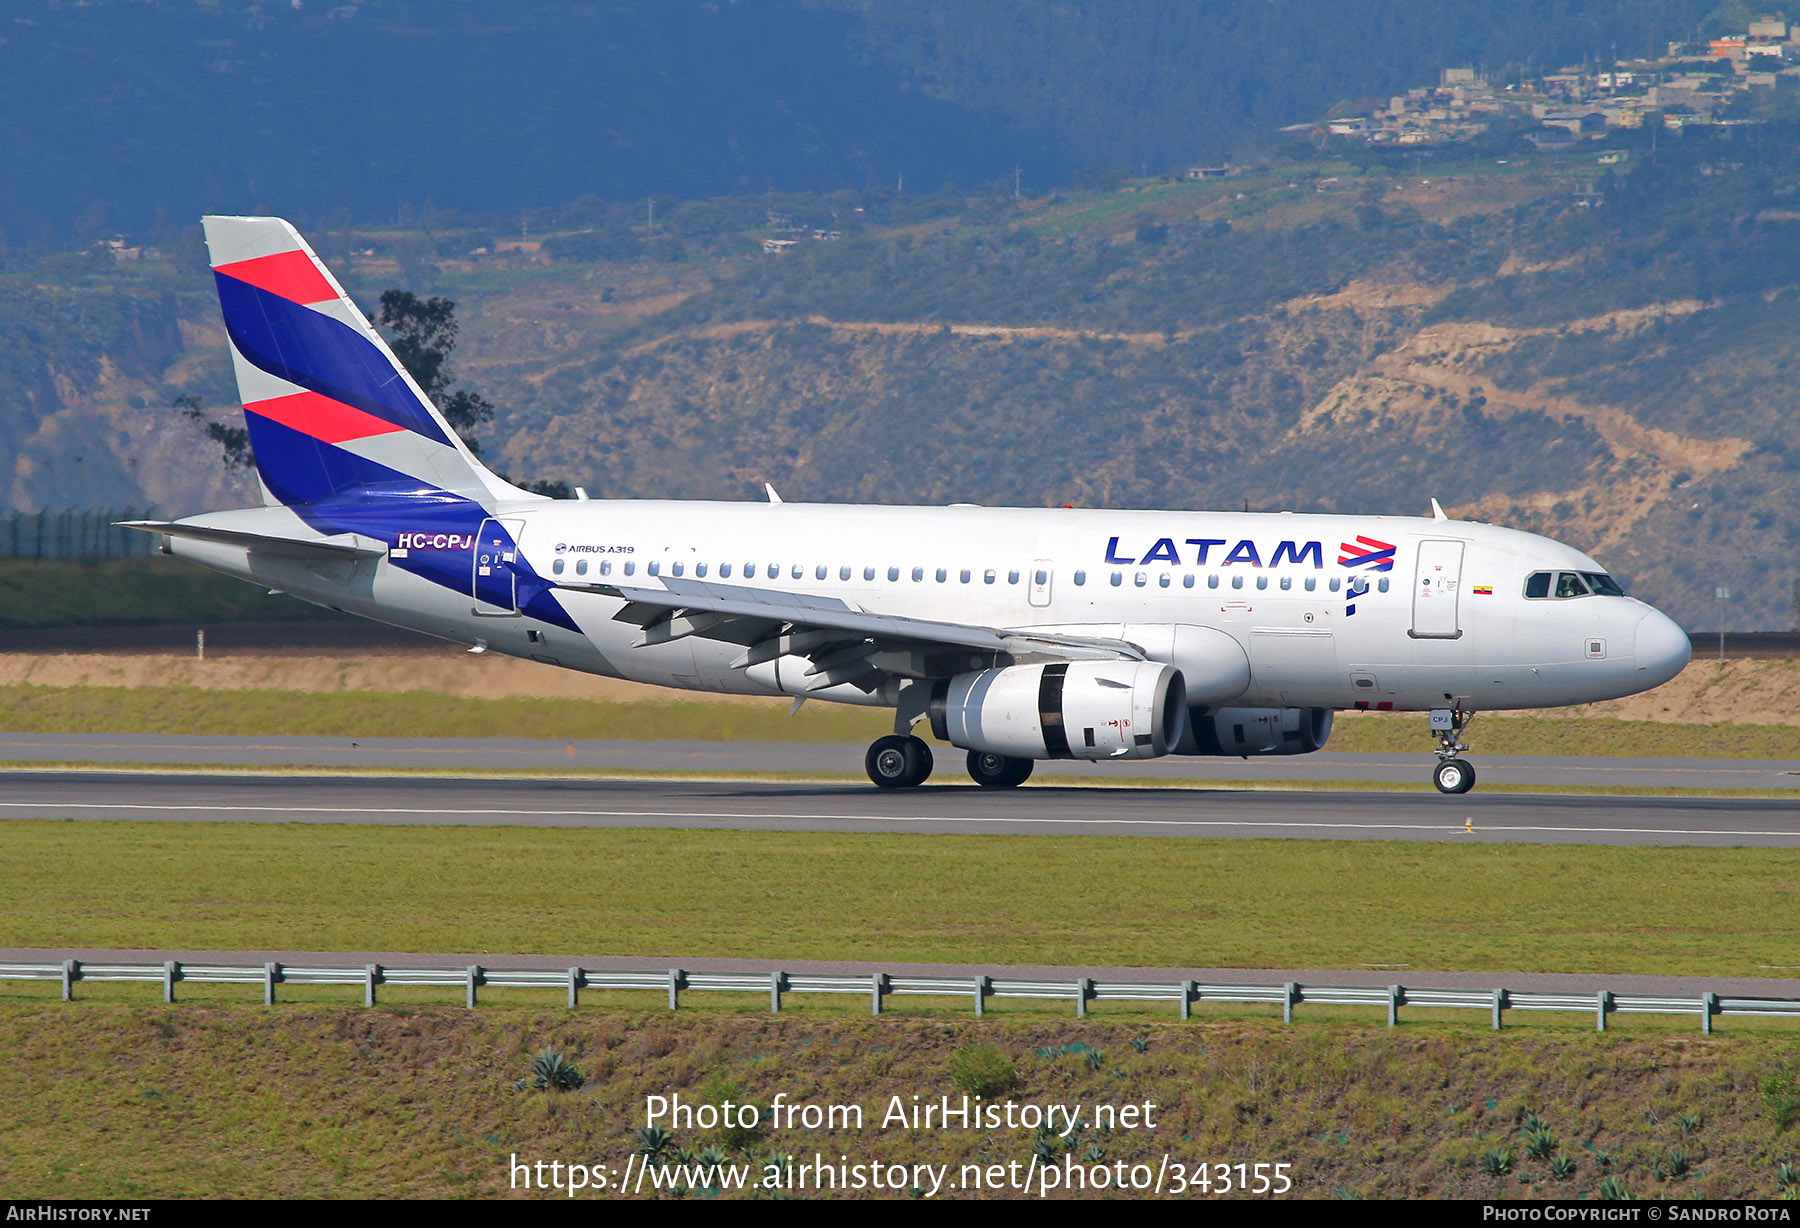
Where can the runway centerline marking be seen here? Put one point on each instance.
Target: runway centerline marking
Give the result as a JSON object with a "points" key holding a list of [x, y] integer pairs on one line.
{"points": [[1490, 827]]}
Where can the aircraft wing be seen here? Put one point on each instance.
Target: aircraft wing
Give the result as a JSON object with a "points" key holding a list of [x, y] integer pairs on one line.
{"points": [[339, 546], [845, 644]]}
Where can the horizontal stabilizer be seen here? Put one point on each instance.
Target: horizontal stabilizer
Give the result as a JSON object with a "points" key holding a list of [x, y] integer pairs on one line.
{"points": [[337, 546]]}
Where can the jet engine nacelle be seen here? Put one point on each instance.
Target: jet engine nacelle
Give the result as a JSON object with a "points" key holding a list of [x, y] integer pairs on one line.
{"points": [[1064, 710], [1255, 731]]}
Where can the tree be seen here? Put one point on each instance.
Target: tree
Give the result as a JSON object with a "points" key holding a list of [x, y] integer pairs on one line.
{"points": [[233, 441]]}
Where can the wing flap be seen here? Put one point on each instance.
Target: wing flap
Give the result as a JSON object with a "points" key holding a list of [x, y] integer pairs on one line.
{"points": [[842, 642]]}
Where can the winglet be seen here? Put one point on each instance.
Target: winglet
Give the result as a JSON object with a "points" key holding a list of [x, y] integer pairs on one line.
{"points": [[1437, 512]]}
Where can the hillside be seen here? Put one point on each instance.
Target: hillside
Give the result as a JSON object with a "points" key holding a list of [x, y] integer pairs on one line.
{"points": [[164, 109], [1602, 357]]}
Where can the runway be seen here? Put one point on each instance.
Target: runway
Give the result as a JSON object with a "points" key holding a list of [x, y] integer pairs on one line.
{"points": [[1221, 813], [524, 754]]}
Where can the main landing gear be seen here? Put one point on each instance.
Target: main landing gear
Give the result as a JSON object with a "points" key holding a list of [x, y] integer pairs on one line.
{"points": [[897, 762], [1452, 775], [992, 771], [902, 762]]}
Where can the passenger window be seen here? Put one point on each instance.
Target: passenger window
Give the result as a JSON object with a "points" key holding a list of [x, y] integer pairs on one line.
{"points": [[774, 571], [1118, 578], [799, 571], [1287, 582], [1080, 578], [893, 574], [724, 571], [965, 575], [1237, 582], [700, 570], [942, 575], [1262, 582], [1212, 581], [1187, 581], [1139, 579], [581, 567], [1040, 577], [1312, 582], [1162, 579], [605, 567], [1012, 577], [1334, 584], [844, 572], [631, 568], [556, 568], [989, 576], [868, 574], [676, 569], [819, 572], [918, 574], [655, 567], [1568, 584], [1382, 584]]}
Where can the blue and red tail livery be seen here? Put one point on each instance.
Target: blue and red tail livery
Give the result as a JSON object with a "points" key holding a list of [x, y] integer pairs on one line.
{"points": [[330, 410]]}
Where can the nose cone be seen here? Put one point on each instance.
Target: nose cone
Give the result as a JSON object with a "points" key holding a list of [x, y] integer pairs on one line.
{"points": [[1661, 651]]}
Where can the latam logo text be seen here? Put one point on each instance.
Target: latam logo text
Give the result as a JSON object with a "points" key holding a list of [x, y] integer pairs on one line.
{"points": [[435, 541], [1204, 551]]}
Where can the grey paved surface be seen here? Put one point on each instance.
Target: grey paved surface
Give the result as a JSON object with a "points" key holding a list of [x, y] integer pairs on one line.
{"points": [[959, 808], [737, 757]]}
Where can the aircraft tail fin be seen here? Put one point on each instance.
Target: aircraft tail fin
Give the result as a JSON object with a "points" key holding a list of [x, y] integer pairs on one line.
{"points": [[332, 414]]}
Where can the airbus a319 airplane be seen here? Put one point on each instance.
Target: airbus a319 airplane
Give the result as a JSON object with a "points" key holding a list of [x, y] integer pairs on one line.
{"points": [[1015, 634]]}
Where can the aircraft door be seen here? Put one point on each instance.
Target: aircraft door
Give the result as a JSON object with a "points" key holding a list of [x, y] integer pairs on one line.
{"points": [[1436, 588], [1041, 577], [496, 550]]}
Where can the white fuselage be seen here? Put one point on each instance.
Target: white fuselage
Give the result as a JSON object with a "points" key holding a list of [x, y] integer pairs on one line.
{"points": [[1256, 609]]}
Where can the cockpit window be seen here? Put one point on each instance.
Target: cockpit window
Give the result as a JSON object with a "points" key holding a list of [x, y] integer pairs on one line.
{"points": [[1539, 584], [1568, 584]]}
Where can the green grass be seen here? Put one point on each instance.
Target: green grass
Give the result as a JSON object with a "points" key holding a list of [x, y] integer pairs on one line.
{"points": [[1593, 736], [118, 1100], [418, 714], [899, 898], [155, 589], [367, 714]]}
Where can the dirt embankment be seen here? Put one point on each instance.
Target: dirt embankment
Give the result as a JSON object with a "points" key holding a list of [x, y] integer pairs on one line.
{"points": [[1744, 691]]}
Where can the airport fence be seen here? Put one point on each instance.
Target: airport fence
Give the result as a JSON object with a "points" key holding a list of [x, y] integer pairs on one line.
{"points": [[877, 987], [74, 534]]}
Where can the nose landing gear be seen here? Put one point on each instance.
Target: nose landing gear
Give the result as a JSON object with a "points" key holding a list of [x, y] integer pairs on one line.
{"points": [[1452, 775]]}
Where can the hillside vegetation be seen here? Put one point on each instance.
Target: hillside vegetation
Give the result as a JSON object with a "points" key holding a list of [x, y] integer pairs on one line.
{"points": [[1604, 357]]}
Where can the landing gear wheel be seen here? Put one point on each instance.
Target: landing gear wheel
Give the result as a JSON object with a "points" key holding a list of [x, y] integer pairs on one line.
{"points": [[998, 771], [1454, 776], [896, 762]]}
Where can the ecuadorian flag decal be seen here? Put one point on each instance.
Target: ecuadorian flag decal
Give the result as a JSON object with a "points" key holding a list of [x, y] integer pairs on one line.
{"points": [[1484, 590]]}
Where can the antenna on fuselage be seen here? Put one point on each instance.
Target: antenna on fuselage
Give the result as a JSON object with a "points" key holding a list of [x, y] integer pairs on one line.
{"points": [[1437, 512], [769, 489]]}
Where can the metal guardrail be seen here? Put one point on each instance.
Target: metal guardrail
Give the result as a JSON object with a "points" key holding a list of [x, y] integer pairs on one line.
{"points": [[879, 986]]}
